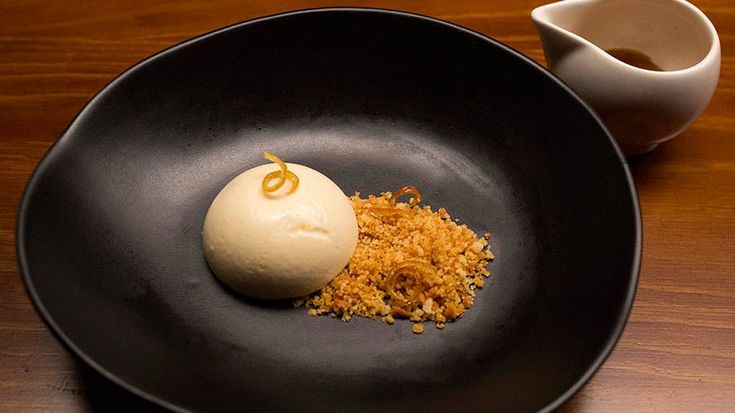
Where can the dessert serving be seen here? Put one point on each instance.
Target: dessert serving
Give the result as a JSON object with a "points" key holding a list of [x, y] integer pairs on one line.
{"points": [[286, 231]]}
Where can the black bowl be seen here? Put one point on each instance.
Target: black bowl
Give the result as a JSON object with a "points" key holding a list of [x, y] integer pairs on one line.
{"points": [[109, 227]]}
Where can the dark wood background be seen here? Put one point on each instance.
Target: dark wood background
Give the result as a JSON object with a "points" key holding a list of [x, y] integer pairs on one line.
{"points": [[678, 350]]}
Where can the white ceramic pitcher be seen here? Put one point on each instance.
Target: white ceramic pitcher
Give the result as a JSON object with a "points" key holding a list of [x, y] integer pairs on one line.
{"points": [[665, 72]]}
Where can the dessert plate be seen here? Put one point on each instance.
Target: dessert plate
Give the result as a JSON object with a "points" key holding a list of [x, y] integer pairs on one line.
{"points": [[109, 230]]}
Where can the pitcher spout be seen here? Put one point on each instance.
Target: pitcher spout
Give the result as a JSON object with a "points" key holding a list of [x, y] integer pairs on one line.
{"points": [[556, 23]]}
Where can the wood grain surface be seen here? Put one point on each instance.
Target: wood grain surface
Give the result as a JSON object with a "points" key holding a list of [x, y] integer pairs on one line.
{"points": [[678, 350]]}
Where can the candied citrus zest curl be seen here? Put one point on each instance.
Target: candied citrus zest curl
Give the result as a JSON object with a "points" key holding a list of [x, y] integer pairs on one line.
{"points": [[393, 209], [281, 176], [407, 190], [415, 269]]}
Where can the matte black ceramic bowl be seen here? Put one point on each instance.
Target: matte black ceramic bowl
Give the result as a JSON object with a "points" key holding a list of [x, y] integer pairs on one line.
{"points": [[109, 227]]}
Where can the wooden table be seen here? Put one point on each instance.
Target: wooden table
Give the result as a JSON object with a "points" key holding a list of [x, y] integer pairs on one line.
{"points": [[678, 350]]}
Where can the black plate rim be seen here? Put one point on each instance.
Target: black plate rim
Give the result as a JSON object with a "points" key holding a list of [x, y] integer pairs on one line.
{"points": [[91, 105]]}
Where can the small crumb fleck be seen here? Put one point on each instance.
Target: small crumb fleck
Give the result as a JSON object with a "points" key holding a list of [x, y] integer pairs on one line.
{"points": [[418, 328]]}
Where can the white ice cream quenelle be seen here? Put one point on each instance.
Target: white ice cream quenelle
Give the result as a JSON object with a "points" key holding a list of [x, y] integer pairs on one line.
{"points": [[279, 245]]}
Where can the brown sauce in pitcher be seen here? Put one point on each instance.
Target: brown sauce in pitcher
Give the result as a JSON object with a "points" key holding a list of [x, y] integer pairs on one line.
{"points": [[634, 57]]}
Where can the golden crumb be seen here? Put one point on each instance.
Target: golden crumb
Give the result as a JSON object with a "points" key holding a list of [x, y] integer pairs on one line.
{"points": [[410, 263], [418, 328]]}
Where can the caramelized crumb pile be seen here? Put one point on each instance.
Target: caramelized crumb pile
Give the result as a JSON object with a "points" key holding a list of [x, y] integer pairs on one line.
{"points": [[452, 258]]}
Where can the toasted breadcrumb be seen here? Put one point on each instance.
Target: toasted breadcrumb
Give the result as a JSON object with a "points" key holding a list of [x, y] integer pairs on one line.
{"points": [[458, 258]]}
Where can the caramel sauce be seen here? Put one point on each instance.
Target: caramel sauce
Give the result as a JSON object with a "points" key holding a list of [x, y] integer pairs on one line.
{"points": [[634, 58]]}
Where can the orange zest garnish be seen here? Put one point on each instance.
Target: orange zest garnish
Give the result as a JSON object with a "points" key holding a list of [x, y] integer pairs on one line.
{"points": [[280, 176], [417, 271], [406, 190], [395, 211]]}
